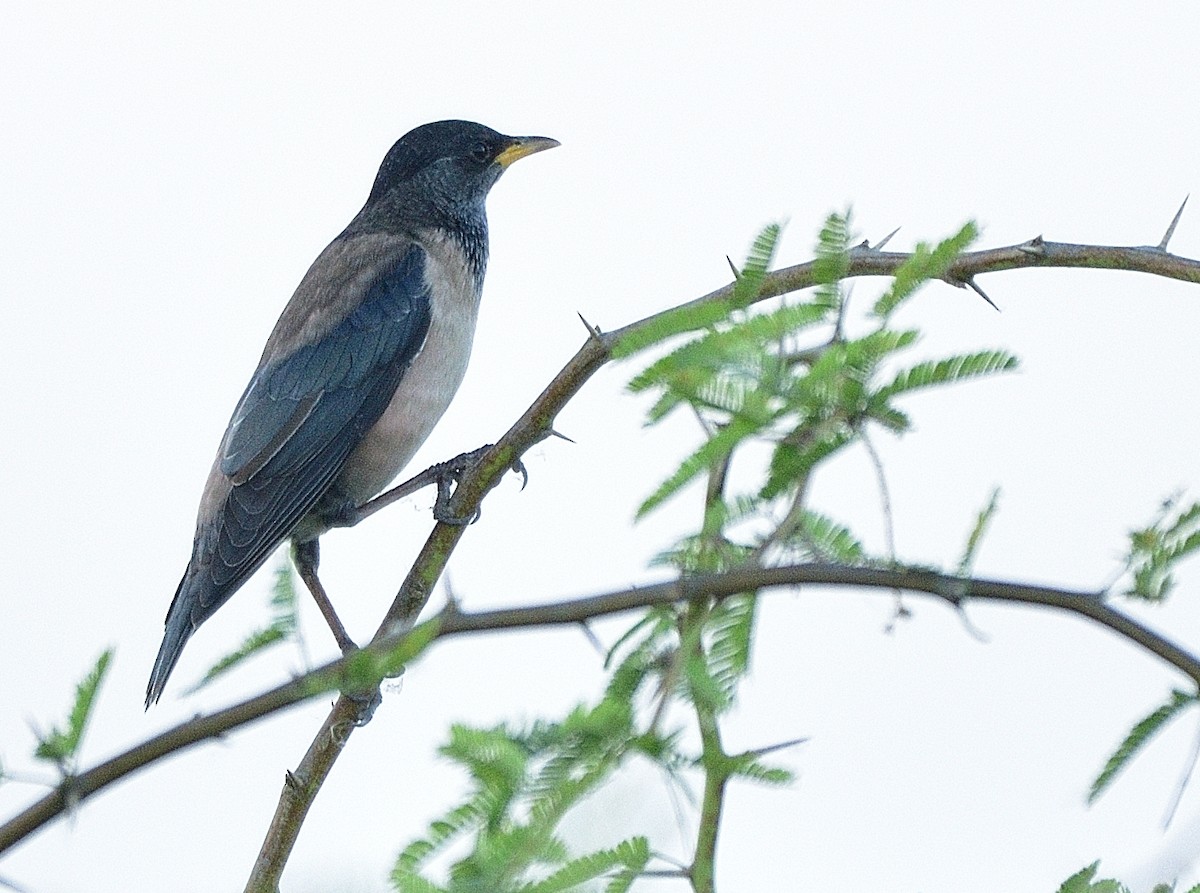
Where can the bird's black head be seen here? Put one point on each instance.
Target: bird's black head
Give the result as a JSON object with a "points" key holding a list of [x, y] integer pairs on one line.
{"points": [[440, 173]]}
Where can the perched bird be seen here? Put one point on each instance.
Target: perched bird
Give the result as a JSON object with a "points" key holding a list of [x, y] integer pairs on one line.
{"points": [[359, 368]]}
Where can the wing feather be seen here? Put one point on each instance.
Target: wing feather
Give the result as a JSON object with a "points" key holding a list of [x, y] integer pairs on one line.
{"points": [[305, 411]]}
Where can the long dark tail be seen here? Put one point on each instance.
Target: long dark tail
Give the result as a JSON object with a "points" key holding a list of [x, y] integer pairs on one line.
{"points": [[179, 629]]}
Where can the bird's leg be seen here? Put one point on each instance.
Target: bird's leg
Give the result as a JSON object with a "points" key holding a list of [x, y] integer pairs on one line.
{"points": [[307, 556], [443, 474]]}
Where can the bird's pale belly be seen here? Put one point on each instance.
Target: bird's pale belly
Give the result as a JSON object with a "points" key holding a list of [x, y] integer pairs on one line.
{"points": [[423, 396]]}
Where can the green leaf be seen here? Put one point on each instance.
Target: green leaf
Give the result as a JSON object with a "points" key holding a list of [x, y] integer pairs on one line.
{"points": [[61, 744], [255, 642], [791, 463], [414, 883], [1139, 736], [1155, 550], [703, 689], [283, 626], [705, 313], [441, 833], [923, 265], [742, 342], [712, 451], [631, 854], [1081, 881], [730, 630], [754, 271], [833, 259], [947, 371], [748, 766], [823, 539], [634, 854], [982, 521]]}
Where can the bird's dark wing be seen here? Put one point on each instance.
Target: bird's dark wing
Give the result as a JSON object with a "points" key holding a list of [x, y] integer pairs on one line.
{"points": [[306, 410]]}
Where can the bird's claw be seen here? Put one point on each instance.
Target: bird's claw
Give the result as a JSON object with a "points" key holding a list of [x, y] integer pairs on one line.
{"points": [[365, 703], [451, 472], [441, 506]]}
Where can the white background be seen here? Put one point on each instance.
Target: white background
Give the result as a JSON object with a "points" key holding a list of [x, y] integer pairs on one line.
{"points": [[168, 172]]}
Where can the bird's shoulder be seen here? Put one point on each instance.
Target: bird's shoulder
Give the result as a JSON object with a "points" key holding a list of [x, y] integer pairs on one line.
{"points": [[336, 284]]}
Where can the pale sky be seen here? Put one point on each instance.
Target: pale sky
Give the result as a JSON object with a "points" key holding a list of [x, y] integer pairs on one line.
{"points": [[169, 171]]}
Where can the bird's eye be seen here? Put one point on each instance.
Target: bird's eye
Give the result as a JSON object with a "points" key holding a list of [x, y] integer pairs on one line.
{"points": [[481, 152]]}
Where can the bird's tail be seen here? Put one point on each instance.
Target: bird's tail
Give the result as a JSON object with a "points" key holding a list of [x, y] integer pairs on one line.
{"points": [[179, 630]]}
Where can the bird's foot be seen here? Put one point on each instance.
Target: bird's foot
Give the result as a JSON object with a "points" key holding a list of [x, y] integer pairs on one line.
{"points": [[451, 472], [365, 703]]}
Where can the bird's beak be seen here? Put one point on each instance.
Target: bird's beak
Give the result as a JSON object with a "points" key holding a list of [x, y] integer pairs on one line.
{"points": [[522, 146]]}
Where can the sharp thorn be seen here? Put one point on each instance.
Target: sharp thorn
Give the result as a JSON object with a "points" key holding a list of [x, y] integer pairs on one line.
{"points": [[592, 637], [453, 604], [773, 748], [737, 274], [561, 436], [886, 239], [1162, 246], [593, 331], [970, 283], [1035, 247]]}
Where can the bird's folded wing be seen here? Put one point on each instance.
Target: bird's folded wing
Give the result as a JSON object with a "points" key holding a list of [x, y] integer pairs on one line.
{"points": [[305, 410]]}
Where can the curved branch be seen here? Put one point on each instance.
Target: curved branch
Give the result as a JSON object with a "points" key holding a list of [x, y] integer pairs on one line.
{"points": [[955, 590]]}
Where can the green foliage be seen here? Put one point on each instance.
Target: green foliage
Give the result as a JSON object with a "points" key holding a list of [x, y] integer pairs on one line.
{"points": [[524, 781], [365, 669], [1155, 550], [788, 378], [712, 452], [748, 766], [947, 371], [630, 856], [729, 632], [779, 387], [282, 626], [820, 538], [702, 314], [61, 744], [925, 264], [975, 539], [1139, 736], [1084, 881], [832, 260]]}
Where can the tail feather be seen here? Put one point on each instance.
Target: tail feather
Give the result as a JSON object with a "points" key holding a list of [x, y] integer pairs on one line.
{"points": [[179, 629]]}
